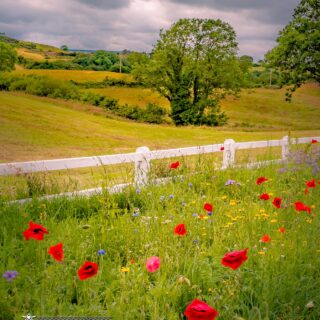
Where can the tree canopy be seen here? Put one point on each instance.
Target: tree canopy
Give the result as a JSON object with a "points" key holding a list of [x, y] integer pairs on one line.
{"points": [[193, 65], [297, 54], [8, 57]]}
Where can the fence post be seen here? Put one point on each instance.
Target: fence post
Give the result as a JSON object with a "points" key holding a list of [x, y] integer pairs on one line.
{"points": [[141, 166], [285, 147], [228, 153]]}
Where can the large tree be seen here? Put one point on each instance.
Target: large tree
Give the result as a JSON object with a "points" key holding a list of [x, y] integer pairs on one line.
{"points": [[8, 57], [194, 65], [297, 54]]}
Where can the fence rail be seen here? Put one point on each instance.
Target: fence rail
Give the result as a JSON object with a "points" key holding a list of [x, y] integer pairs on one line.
{"points": [[142, 157]]}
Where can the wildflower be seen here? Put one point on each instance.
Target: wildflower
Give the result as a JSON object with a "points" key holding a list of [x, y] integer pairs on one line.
{"points": [[195, 215], [171, 196], [132, 261], [261, 253], [230, 182], [153, 264], [183, 204], [234, 259], [282, 229], [310, 305], [162, 198], [189, 184], [35, 231], [198, 309], [174, 165], [101, 252], [311, 183], [209, 213], [277, 202], [180, 230], [221, 148], [56, 252], [10, 275], [299, 206], [313, 141], [138, 191], [87, 270], [208, 207], [266, 238], [264, 196], [125, 269], [261, 180]]}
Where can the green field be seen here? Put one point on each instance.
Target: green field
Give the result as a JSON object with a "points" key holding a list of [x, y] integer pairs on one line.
{"points": [[40, 128]]}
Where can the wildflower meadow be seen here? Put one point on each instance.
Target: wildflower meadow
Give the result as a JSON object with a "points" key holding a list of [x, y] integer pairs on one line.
{"points": [[208, 244]]}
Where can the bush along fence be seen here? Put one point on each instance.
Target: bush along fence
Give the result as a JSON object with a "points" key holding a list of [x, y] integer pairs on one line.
{"points": [[143, 157]]}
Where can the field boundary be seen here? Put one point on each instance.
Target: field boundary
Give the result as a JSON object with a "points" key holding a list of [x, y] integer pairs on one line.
{"points": [[142, 161]]}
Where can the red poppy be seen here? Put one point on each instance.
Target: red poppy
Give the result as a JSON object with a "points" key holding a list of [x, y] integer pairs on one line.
{"points": [[56, 252], [282, 229], [266, 238], [299, 206], [87, 270], [180, 230], [261, 180], [264, 196], [314, 141], [208, 207], [234, 259], [174, 165], [221, 148], [311, 183], [199, 310], [277, 202], [35, 231]]}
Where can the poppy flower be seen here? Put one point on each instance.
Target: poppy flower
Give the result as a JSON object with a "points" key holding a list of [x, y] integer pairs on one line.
{"points": [[221, 148], [208, 207], [264, 196], [174, 165], [261, 180], [180, 230], [277, 202], [153, 264], [35, 231], [234, 259], [311, 183], [265, 238], [56, 252], [299, 206], [314, 141], [282, 229], [87, 270], [198, 309]]}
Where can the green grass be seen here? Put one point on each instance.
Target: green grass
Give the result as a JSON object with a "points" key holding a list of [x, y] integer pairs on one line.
{"points": [[265, 108], [276, 282], [38, 128]]}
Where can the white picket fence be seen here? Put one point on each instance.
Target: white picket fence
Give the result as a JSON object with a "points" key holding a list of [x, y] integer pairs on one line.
{"points": [[142, 158]]}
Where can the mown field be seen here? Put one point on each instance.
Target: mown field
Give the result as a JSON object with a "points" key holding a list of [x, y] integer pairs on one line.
{"points": [[277, 276]]}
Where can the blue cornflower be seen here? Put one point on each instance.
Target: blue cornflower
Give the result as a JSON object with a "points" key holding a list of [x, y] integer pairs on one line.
{"points": [[136, 214], [138, 191], [195, 241], [189, 184], [10, 275], [101, 252], [195, 215], [230, 182], [171, 196], [209, 213]]}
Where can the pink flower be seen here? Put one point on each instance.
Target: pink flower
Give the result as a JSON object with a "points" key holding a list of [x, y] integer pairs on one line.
{"points": [[153, 264]]}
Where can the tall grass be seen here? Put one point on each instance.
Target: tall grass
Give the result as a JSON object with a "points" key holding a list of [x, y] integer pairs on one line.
{"points": [[280, 279]]}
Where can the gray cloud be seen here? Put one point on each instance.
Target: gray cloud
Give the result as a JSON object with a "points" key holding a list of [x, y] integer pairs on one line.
{"points": [[135, 24]]}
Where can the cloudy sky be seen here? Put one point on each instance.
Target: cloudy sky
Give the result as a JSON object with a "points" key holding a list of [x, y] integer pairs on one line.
{"points": [[135, 24]]}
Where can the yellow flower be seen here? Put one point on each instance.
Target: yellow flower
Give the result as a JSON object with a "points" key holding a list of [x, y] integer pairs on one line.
{"points": [[313, 206], [125, 269], [262, 210], [223, 197], [232, 202], [273, 220], [261, 253]]}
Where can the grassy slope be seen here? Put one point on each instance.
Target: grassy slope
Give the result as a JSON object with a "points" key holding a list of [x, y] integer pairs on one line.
{"points": [[37, 128], [76, 75], [266, 108]]}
